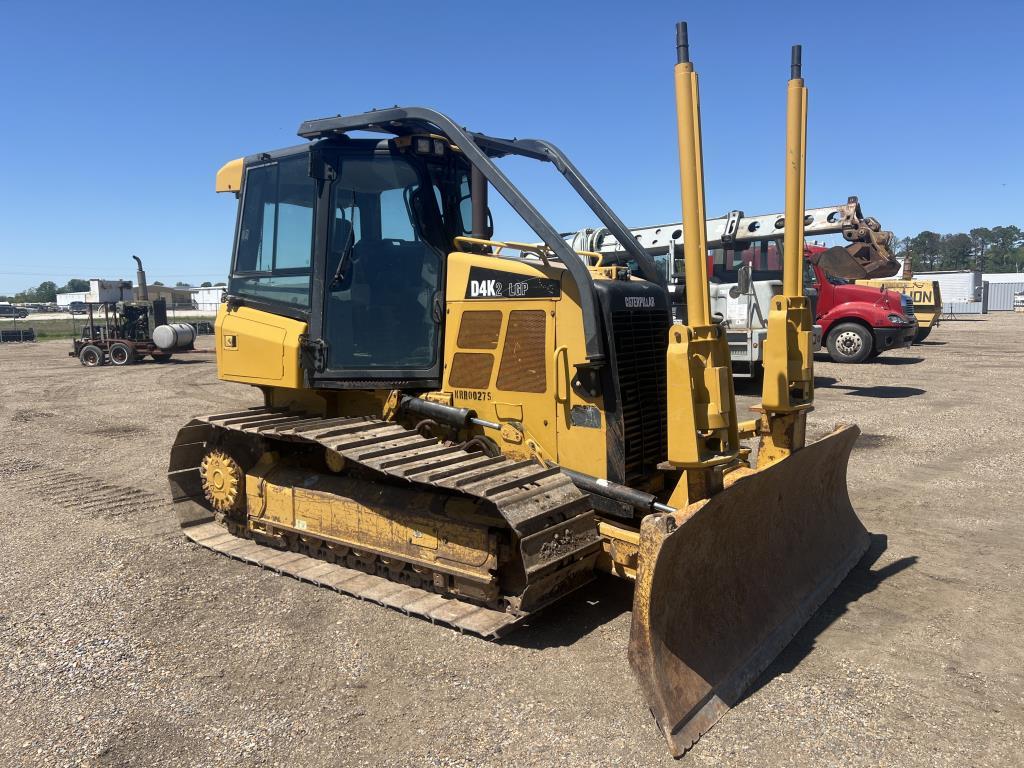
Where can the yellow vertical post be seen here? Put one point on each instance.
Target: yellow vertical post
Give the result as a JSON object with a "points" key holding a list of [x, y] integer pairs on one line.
{"points": [[796, 163], [788, 389], [691, 181], [702, 426]]}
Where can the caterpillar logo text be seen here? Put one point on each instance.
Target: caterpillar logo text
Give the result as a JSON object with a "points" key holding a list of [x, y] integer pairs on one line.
{"points": [[639, 302]]}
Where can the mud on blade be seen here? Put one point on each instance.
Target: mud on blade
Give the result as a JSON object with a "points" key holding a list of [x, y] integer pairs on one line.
{"points": [[724, 585]]}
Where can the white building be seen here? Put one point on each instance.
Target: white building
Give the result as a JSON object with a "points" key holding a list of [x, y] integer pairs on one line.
{"points": [[66, 299], [207, 299], [105, 291]]}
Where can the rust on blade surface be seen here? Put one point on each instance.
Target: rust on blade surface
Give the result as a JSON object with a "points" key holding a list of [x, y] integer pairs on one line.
{"points": [[724, 585]]}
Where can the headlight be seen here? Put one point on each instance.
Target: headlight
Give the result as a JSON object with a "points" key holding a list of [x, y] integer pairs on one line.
{"points": [[898, 320]]}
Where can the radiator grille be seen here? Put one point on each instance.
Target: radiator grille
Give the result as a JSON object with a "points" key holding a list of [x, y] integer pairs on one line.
{"points": [[908, 307], [471, 370], [641, 341], [524, 356], [480, 329]]}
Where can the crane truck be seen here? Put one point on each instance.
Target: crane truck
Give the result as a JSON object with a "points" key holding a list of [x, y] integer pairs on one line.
{"points": [[745, 271]]}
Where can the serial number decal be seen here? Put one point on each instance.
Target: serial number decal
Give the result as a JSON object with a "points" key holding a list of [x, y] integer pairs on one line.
{"points": [[494, 284], [471, 394]]}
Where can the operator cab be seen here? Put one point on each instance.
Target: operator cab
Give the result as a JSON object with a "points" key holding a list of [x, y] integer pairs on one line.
{"points": [[350, 235]]}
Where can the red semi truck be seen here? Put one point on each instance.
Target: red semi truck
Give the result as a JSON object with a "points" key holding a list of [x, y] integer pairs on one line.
{"points": [[857, 322]]}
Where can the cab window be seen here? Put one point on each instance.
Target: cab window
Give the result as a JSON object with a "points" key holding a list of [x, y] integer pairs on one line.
{"points": [[275, 234]]}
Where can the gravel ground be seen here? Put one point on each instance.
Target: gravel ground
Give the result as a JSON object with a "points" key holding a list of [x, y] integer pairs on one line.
{"points": [[124, 645]]}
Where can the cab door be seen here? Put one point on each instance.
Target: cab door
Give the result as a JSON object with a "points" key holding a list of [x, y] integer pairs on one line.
{"points": [[378, 297]]}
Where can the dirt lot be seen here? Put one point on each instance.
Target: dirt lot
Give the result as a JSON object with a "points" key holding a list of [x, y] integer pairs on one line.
{"points": [[124, 645]]}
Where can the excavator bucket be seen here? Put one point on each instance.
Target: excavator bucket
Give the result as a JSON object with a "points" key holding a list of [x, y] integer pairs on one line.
{"points": [[858, 261], [725, 584]]}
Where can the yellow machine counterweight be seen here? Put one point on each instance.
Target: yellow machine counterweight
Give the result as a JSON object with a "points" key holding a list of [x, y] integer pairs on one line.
{"points": [[468, 429]]}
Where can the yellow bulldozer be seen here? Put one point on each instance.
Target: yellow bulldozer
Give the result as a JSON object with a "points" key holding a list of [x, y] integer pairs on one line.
{"points": [[468, 429]]}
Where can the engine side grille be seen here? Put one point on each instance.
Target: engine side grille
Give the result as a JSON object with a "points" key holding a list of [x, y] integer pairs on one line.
{"points": [[480, 329], [524, 356], [641, 341], [471, 370]]}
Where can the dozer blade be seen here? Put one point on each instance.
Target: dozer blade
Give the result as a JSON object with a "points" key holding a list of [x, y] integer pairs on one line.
{"points": [[725, 584], [858, 261]]}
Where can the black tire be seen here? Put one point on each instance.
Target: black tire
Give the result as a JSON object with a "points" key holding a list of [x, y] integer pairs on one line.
{"points": [[922, 334], [161, 357], [91, 356], [121, 354], [849, 343]]}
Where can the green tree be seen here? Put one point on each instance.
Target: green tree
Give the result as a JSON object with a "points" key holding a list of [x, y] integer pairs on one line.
{"points": [[924, 249], [74, 285], [955, 251], [157, 282], [206, 284], [1006, 253], [180, 284], [218, 285], [981, 238]]}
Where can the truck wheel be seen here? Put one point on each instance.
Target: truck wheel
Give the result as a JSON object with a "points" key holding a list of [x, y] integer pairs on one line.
{"points": [[849, 343], [90, 356], [922, 334], [121, 354]]}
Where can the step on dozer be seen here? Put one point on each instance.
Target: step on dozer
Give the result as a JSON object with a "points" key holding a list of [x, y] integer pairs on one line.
{"points": [[467, 430]]}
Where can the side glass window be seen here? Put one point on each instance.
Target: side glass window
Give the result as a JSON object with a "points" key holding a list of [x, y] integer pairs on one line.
{"points": [[395, 217], [275, 239], [810, 277]]}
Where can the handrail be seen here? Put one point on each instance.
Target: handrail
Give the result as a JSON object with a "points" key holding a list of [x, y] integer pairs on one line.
{"points": [[538, 249]]}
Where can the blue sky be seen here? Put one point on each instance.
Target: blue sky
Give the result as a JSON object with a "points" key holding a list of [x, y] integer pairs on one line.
{"points": [[116, 116]]}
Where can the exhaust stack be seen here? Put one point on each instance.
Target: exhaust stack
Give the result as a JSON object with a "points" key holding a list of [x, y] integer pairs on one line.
{"points": [[140, 276]]}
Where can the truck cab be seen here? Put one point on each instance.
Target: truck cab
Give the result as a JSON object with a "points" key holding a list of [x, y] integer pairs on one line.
{"points": [[858, 322], [743, 279]]}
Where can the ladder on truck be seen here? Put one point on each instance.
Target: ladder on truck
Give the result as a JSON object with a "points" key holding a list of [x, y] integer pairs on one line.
{"points": [[743, 312], [736, 227]]}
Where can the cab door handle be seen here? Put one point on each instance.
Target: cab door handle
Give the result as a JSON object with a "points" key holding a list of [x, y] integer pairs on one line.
{"points": [[561, 361]]}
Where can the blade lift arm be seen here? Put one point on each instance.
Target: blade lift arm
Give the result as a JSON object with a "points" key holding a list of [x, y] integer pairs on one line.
{"points": [[702, 426], [788, 388]]}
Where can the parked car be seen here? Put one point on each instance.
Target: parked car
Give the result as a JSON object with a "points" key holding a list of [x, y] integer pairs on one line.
{"points": [[78, 308], [9, 310]]}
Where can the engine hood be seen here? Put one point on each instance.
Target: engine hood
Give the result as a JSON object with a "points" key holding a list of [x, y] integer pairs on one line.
{"points": [[882, 298]]}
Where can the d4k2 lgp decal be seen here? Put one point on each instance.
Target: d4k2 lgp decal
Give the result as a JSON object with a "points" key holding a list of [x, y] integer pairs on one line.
{"points": [[493, 284]]}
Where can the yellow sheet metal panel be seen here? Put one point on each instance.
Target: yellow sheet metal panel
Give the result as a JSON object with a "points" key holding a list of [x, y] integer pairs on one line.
{"points": [[259, 348], [229, 177], [536, 340], [379, 519]]}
